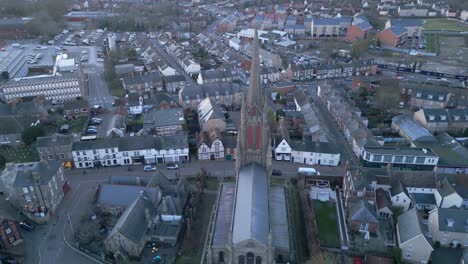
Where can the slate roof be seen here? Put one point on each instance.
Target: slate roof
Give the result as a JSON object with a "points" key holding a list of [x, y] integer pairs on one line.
{"points": [[8, 22], [129, 180], [251, 213], [95, 144], [45, 171], [416, 179], [224, 211], [459, 217], [133, 223], [124, 68], [134, 143], [396, 188], [401, 151], [279, 218], [397, 30], [308, 145], [409, 225], [174, 78], [124, 195], [406, 22], [445, 188], [451, 153], [141, 79], [364, 26], [163, 117], [362, 211], [54, 140], [424, 198]]}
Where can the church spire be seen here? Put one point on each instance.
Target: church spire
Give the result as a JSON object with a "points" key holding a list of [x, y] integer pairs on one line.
{"points": [[255, 92]]}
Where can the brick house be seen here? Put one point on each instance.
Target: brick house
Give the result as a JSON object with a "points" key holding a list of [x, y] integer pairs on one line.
{"points": [[358, 31], [393, 36], [362, 216], [55, 147], [9, 234]]}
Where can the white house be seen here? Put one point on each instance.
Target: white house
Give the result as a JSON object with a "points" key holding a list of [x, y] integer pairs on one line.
{"points": [[130, 151], [191, 67], [166, 70], [210, 145], [320, 153], [282, 150], [399, 196], [446, 195], [234, 43], [411, 238]]}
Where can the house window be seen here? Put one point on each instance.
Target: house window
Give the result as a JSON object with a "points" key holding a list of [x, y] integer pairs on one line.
{"points": [[407, 256], [420, 160], [363, 227], [8, 231], [377, 158], [25, 190], [398, 159], [387, 158], [11, 239], [410, 247]]}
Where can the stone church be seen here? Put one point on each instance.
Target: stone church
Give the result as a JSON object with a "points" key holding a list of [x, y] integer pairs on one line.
{"points": [[251, 222]]}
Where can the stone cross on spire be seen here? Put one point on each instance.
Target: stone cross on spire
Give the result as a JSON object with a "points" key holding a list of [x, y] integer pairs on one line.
{"points": [[255, 93]]}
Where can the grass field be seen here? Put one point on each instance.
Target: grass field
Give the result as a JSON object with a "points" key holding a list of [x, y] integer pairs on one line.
{"points": [[327, 224], [444, 24], [432, 44]]}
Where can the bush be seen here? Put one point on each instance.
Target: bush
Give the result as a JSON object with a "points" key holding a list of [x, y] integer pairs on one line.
{"points": [[30, 134]]}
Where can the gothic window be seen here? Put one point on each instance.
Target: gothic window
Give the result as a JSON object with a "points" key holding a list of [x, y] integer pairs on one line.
{"points": [[258, 260], [250, 258], [253, 111], [258, 138], [241, 259], [249, 137], [221, 257]]}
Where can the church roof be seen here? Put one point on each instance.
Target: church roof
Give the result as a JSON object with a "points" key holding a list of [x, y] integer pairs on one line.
{"points": [[224, 214], [251, 215]]}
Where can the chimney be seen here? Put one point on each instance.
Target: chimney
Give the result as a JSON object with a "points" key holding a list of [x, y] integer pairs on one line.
{"points": [[148, 218], [36, 177]]}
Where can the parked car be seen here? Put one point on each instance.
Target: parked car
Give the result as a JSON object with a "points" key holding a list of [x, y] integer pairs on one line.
{"points": [[172, 166], [276, 172], [92, 127], [26, 225], [149, 168], [91, 131]]}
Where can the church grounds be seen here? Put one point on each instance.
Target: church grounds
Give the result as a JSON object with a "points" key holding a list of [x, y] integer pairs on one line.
{"points": [[298, 225]]}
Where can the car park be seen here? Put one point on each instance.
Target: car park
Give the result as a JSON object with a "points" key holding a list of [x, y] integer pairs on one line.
{"points": [[276, 172]]}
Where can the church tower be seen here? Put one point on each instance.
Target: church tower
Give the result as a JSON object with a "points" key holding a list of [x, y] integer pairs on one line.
{"points": [[253, 140]]}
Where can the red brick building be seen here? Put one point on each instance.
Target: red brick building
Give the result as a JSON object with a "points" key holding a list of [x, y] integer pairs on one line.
{"points": [[358, 31], [9, 234], [393, 36]]}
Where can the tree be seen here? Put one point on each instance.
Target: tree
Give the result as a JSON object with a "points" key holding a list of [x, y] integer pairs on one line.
{"points": [[323, 258], [31, 134], [271, 117], [2, 161], [359, 48]]}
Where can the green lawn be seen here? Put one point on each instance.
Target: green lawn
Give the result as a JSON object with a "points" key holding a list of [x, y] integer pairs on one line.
{"points": [[444, 24], [432, 44], [327, 224], [18, 154]]}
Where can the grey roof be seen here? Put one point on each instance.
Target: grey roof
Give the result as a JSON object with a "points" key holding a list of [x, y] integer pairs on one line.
{"points": [[133, 223], [174, 78], [124, 68], [406, 22], [164, 117], [129, 180], [321, 21], [95, 144], [396, 188], [229, 141], [215, 74], [223, 222], [279, 218], [424, 198], [409, 225], [449, 150], [364, 25], [54, 140], [438, 115], [397, 30], [251, 214], [445, 188], [401, 151], [459, 217], [141, 79], [13, 127], [124, 195], [45, 171], [362, 211], [314, 146], [412, 129], [13, 22]]}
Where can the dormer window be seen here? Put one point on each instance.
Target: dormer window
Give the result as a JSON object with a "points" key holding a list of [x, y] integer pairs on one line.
{"points": [[456, 118], [441, 97], [418, 95], [431, 117], [443, 117], [429, 96], [450, 222]]}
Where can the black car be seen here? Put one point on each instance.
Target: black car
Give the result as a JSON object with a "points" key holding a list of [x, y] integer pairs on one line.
{"points": [[276, 172], [26, 225], [8, 260]]}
